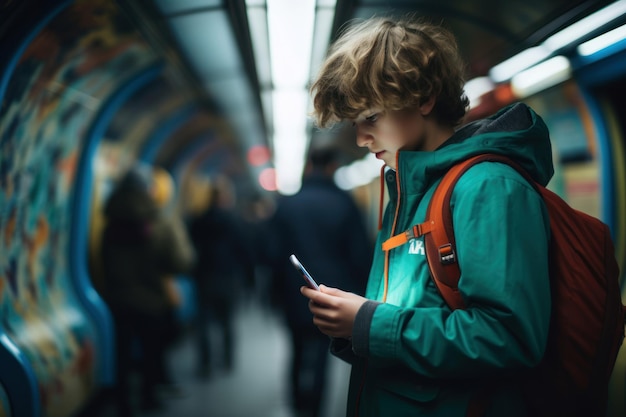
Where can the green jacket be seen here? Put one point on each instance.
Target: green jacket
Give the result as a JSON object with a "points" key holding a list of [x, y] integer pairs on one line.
{"points": [[412, 355]]}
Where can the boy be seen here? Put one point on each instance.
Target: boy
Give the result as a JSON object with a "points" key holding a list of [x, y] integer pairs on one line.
{"points": [[400, 83]]}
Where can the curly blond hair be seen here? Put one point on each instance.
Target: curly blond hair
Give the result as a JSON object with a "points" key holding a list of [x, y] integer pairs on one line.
{"points": [[388, 64]]}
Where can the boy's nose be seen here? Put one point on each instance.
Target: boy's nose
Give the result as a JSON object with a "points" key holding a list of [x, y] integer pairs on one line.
{"points": [[363, 139]]}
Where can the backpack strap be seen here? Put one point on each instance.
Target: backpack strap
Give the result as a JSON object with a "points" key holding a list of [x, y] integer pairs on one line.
{"points": [[438, 230]]}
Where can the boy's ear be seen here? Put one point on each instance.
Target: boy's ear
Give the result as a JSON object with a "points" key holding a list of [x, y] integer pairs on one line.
{"points": [[427, 106]]}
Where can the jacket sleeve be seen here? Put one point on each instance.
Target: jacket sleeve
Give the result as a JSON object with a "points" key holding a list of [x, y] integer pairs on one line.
{"points": [[342, 349], [502, 232]]}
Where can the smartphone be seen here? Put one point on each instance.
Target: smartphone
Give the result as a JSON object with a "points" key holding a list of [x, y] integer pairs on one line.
{"points": [[305, 274]]}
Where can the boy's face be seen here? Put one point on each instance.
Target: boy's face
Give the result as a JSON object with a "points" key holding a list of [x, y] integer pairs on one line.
{"points": [[385, 133]]}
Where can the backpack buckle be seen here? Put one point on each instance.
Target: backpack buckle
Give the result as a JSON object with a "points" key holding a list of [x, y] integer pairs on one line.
{"points": [[446, 254], [413, 232]]}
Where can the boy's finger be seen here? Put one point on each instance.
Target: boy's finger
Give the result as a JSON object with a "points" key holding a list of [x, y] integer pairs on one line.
{"points": [[316, 296]]}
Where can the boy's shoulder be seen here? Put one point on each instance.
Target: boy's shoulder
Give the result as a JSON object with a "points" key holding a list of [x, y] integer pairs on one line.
{"points": [[489, 171]]}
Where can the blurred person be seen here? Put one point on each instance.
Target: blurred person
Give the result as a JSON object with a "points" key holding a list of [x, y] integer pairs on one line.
{"points": [[143, 248], [323, 226], [400, 82], [223, 270], [163, 190], [256, 220]]}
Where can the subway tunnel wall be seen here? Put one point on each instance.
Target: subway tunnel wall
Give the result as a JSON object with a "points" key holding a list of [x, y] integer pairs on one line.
{"points": [[67, 72]]}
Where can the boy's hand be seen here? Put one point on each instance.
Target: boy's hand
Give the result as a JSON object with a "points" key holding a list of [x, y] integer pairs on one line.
{"points": [[333, 310]]}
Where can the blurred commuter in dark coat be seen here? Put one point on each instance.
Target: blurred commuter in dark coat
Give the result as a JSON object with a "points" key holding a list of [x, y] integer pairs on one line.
{"points": [[142, 250], [223, 270], [324, 228]]}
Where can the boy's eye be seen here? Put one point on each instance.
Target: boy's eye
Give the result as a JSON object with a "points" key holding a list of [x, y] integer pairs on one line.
{"points": [[372, 118]]}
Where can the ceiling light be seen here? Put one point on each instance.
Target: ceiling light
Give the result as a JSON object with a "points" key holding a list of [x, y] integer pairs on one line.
{"points": [[542, 76], [602, 42], [578, 30], [476, 88], [525, 59], [290, 139], [290, 27], [571, 34]]}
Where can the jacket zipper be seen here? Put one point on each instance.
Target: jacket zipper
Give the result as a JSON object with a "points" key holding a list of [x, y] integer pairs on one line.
{"points": [[393, 229], [386, 277]]}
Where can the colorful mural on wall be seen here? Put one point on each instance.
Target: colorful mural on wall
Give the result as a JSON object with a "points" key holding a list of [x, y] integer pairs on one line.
{"points": [[577, 173], [56, 90]]}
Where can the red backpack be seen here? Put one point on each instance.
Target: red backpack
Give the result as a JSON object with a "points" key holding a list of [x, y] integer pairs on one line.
{"points": [[587, 321]]}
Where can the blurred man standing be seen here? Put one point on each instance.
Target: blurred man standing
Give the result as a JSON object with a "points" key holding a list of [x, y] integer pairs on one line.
{"points": [[224, 269], [324, 227]]}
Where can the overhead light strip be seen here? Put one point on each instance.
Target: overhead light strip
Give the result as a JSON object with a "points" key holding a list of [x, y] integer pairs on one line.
{"points": [[290, 26], [580, 29], [542, 76], [532, 56], [602, 42]]}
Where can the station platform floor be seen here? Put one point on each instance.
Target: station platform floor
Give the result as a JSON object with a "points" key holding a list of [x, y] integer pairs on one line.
{"points": [[257, 384]]}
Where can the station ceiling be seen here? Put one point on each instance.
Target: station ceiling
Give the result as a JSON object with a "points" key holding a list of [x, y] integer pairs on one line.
{"points": [[215, 40]]}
